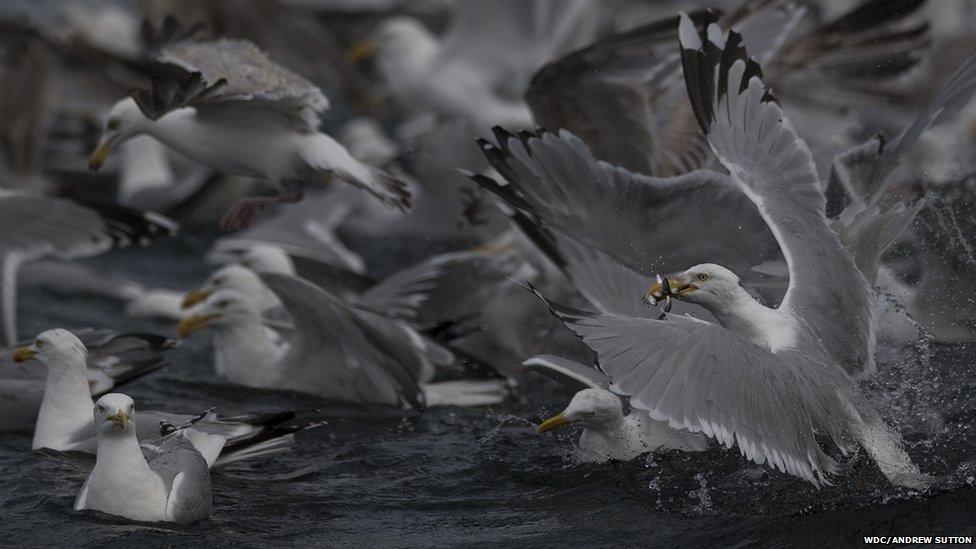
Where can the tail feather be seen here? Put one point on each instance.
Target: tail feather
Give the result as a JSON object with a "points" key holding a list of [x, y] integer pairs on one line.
{"points": [[324, 154]]}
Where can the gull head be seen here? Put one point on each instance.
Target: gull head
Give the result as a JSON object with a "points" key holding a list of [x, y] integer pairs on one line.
{"points": [[55, 349], [231, 277], [706, 284], [125, 120], [590, 408], [115, 414], [222, 307], [398, 44]]}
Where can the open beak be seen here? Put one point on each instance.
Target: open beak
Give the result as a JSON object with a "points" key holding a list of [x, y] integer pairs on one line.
{"points": [[100, 153], [558, 420], [193, 297], [120, 418], [360, 51], [193, 323], [24, 354], [677, 289]]}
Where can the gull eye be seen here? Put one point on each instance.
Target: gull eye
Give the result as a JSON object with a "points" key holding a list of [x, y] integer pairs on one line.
{"points": [[113, 124], [38, 343], [223, 303], [101, 409], [217, 281], [703, 277]]}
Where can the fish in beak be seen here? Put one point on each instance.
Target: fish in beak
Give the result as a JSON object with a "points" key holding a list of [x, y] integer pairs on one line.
{"points": [[101, 152], [360, 51], [193, 297], [24, 354], [120, 418], [193, 323], [558, 420], [667, 288]]}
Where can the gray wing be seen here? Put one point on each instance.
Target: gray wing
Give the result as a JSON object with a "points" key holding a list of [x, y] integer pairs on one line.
{"points": [[617, 96], [403, 292], [305, 230], [864, 171], [648, 224], [699, 376], [186, 476], [568, 372], [326, 329], [34, 226], [855, 58], [229, 76], [755, 141]]}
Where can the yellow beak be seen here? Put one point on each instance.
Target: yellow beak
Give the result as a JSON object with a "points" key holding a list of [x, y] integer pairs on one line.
{"points": [[558, 420], [100, 153], [677, 287], [23, 354], [193, 323], [193, 297], [361, 51], [120, 418]]}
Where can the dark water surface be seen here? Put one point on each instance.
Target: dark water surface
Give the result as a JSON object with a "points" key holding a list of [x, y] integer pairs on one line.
{"points": [[382, 477]]}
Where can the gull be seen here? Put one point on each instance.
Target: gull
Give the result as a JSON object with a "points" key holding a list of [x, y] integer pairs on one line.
{"points": [[624, 97], [334, 349], [226, 105], [480, 67], [169, 482], [34, 226], [608, 433], [764, 379], [113, 360], [63, 422]]}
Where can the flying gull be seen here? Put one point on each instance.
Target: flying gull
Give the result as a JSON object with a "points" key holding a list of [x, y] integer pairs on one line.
{"points": [[168, 482], [479, 69], [225, 104], [34, 226], [764, 379]]}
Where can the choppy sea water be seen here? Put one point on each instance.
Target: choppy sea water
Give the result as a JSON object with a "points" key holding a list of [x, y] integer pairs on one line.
{"points": [[383, 477]]}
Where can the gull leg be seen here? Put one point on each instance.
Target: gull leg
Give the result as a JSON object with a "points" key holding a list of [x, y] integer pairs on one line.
{"points": [[241, 214]]}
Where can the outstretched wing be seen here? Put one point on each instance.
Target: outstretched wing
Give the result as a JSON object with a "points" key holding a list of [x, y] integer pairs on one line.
{"points": [[34, 226], [569, 372], [755, 141], [225, 76], [698, 376], [617, 96], [648, 224]]}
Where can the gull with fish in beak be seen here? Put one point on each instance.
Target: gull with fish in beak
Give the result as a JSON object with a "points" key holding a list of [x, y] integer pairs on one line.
{"points": [[765, 379]]}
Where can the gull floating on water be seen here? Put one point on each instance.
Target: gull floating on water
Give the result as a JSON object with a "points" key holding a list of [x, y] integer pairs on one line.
{"points": [[238, 112], [334, 348], [113, 360], [64, 419], [167, 482], [608, 433]]}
